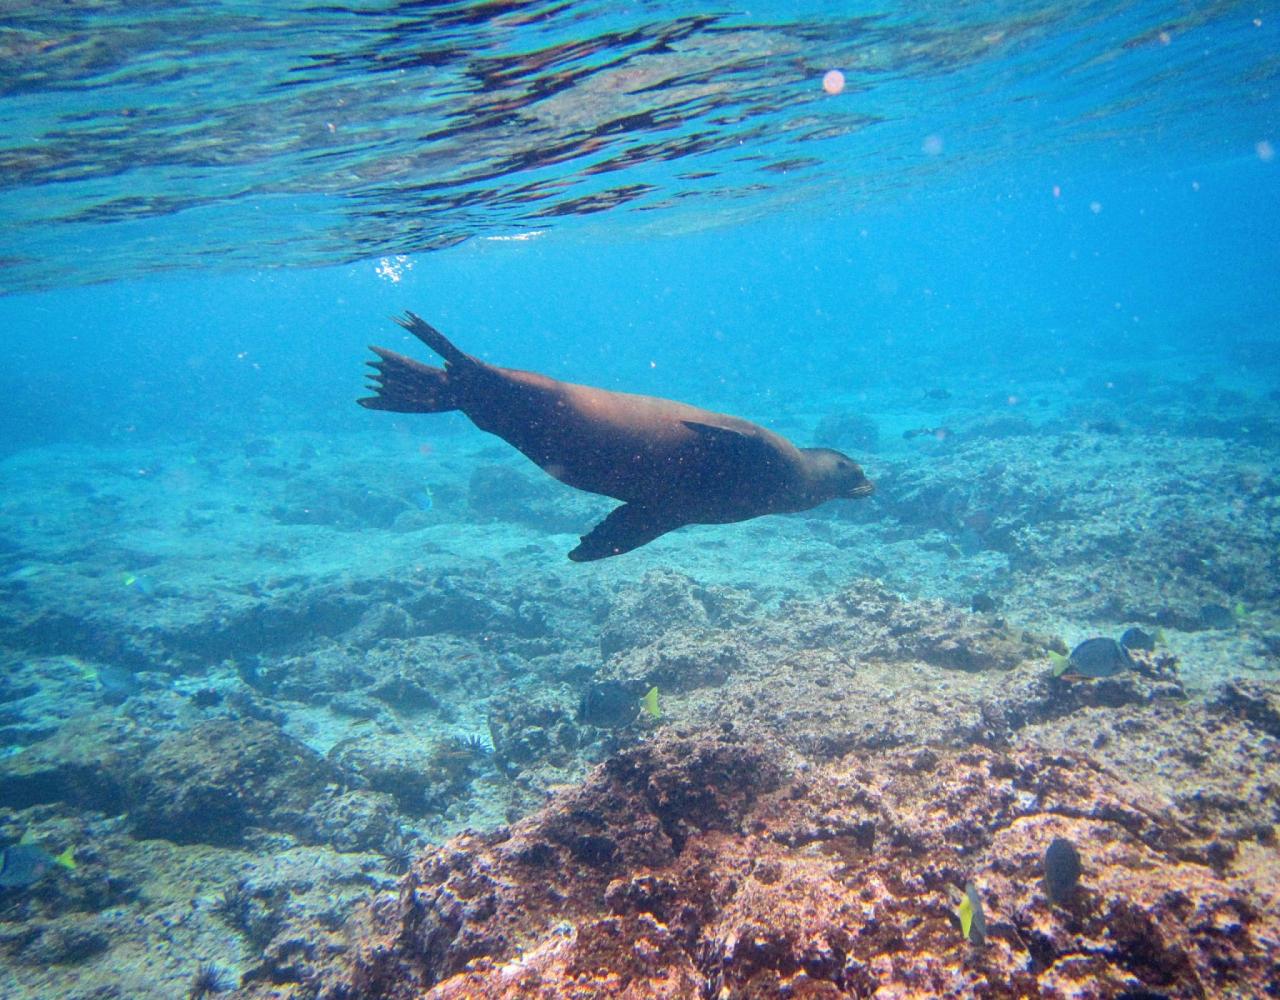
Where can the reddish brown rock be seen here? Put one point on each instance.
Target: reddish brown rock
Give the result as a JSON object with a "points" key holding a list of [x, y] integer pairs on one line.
{"points": [[694, 868]]}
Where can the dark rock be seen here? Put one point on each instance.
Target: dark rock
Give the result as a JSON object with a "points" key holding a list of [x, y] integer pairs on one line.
{"points": [[206, 698], [848, 432], [404, 692], [213, 782], [355, 821], [638, 810], [422, 778], [1061, 870], [84, 763], [63, 942], [982, 603], [663, 601], [383, 620], [1256, 703], [508, 494]]}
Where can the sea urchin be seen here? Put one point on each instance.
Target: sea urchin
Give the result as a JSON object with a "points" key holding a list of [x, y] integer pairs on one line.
{"points": [[209, 979]]}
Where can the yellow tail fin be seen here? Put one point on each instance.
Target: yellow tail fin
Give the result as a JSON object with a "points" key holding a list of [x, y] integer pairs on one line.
{"points": [[965, 912]]}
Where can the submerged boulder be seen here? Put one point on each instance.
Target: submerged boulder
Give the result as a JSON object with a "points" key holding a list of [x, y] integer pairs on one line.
{"points": [[211, 783], [695, 867]]}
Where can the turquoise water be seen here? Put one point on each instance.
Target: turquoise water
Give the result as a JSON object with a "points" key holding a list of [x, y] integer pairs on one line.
{"points": [[1016, 175], [1005, 171], [1021, 265]]}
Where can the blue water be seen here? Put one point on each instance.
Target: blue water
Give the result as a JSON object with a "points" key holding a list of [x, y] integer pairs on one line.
{"points": [[992, 276], [1020, 226], [914, 212]]}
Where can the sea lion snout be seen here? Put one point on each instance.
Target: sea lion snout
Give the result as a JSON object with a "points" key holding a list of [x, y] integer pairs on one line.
{"points": [[836, 475], [856, 482]]}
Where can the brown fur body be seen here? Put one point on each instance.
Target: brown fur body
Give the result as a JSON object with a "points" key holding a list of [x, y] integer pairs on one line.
{"points": [[670, 463]]}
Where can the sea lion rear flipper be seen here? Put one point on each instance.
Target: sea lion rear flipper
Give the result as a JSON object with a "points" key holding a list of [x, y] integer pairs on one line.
{"points": [[407, 386], [626, 528], [434, 339]]}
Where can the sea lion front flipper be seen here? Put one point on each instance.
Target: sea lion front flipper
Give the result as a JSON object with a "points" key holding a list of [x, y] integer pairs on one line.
{"points": [[747, 449], [626, 528], [716, 430]]}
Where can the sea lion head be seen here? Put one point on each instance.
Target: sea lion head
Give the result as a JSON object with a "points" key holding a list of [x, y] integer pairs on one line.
{"points": [[833, 475]]}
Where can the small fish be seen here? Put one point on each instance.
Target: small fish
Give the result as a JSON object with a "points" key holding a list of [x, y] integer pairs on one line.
{"points": [[118, 683], [1061, 870], [423, 499], [938, 433], [25, 863], [1092, 659], [973, 922], [613, 704], [938, 393], [1217, 616], [1136, 638], [144, 585]]}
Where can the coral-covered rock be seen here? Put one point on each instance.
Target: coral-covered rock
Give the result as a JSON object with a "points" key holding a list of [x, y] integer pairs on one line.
{"points": [[1258, 704], [490, 897], [525, 730], [663, 601], [83, 763], [358, 820], [692, 868], [422, 777], [211, 783]]}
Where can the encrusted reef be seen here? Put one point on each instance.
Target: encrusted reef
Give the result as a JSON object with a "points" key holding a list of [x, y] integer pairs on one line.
{"points": [[700, 867], [269, 779]]}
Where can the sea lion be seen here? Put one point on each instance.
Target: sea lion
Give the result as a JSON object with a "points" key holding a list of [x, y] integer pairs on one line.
{"points": [[669, 463]]}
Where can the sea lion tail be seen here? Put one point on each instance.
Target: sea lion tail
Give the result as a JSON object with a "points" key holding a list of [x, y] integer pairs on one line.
{"points": [[434, 339], [407, 386]]}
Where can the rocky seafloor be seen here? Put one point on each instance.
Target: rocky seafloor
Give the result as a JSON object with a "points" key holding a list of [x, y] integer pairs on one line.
{"points": [[309, 712]]}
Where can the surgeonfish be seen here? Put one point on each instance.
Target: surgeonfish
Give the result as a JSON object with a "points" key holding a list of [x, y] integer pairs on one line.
{"points": [[1061, 870], [973, 922], [26, 863], [1092, 659], [613, 704]]}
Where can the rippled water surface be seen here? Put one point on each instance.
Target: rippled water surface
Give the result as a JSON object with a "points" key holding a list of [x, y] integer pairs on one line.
{"points": [[141, 136]]}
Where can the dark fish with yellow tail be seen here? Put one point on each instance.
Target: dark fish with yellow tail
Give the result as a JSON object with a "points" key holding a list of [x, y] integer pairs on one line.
{"points": [[1091, 660], [26, 863], [973, 921]]}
